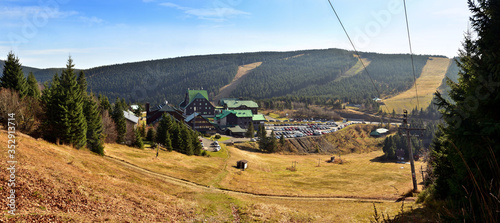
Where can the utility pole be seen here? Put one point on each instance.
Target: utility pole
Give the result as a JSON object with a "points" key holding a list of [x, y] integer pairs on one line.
{"points": [[406, 130]]}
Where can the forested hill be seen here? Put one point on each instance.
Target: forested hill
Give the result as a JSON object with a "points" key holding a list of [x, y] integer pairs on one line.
{"points": [[41, 75], [294, 74]]}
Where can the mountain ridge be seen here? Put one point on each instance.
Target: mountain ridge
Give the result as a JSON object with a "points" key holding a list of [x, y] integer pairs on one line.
{"points": [[317, 73]]}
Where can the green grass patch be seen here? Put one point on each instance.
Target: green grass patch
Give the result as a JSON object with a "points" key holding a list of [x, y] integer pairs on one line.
{"points": [[223, 153]]}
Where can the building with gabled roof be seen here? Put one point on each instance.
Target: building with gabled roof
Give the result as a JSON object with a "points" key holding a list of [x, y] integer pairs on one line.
{"points": [[233, 118], [237, 104], [258, 119], [201, 124], [153, 115], [197, 101]]}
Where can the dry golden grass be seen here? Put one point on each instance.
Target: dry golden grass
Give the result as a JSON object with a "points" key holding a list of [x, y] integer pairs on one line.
{"points": [[360, 175], [430, 80], [356, 177], [60, 183]]}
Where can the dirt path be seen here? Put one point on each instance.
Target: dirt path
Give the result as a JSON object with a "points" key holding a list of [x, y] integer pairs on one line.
{"points": [[192, 185], [225, 91], [431, 78]]}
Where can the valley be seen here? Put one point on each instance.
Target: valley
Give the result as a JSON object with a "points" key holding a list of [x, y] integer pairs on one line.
{"points": [[59, 183]]}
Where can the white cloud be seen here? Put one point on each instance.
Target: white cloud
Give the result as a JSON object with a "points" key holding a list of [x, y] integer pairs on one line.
{"points": [[214, 14], [47, 12], [91, 20]]}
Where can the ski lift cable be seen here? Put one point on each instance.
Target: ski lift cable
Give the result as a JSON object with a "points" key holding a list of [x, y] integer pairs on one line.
{"points": [[411, 53], [357, 53]]}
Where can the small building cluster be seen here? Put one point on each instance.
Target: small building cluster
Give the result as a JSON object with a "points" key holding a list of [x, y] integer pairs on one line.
{"points": [[231, 116]]}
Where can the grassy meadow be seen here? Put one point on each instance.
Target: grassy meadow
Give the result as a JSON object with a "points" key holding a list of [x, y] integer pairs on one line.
{"points": [[60, 183], [429, 81]]}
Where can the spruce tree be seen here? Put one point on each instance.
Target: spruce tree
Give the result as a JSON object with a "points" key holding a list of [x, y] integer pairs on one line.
{"points": [[138, 139], [13, 76], [33, 89], [65, 120], [104, 104], [121, 125], [73, 101], [196, 144], [465, 158], [273, 143], [250, 131], [282, 140], [95, 137], [188, 141], [51, 100], [82, 83], [175, 137], [151, 135], [168, 142], [163, 128]]}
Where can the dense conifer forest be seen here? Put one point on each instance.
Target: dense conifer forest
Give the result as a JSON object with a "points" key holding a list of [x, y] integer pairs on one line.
{"points": [[310, 76]]}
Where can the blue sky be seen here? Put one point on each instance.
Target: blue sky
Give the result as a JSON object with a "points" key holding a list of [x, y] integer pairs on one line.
{"points": [[43, 33]]}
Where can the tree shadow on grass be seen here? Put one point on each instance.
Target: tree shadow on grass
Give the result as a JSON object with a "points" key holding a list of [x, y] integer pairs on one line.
{"points": [[382, 159], [247, 147]]}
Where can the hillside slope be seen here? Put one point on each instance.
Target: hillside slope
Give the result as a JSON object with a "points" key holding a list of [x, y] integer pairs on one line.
{"points": [[58, 183], [62, 184], [329, 74], [429, 81]]}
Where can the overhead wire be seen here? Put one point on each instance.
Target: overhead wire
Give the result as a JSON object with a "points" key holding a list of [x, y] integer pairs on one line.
{"points": [[357, 53], [411, 53]]}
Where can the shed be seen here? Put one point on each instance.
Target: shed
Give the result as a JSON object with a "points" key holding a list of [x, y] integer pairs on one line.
{"points": [[242, 164]]}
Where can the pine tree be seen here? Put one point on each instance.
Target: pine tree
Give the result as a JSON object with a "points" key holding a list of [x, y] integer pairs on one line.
{"points": [[143, 130], [466, 155], [33, 89], [51, 100], [95, 135], [188, 142], [273, 143], [250, 131], [82, 83], [13, 76], [196, 144], [175, 137], [121, 125], [151, 135], [163, 129], [263, 141], [282, 140], [168, 143], [73, 106], [138, 139], [64, 104], [104, 103]]}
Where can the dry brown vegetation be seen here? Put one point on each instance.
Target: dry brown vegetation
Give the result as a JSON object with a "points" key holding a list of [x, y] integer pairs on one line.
{"points": [[429, 81], [60, 183]]}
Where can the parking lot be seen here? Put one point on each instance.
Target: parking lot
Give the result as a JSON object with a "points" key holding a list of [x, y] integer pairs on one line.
{"points": [[294, 130]]}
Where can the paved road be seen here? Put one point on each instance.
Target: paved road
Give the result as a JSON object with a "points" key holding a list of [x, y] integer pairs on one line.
{"points": [[193, 185]]}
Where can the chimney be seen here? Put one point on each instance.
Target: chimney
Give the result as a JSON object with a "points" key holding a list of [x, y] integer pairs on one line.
{"points": [[147, 108]]}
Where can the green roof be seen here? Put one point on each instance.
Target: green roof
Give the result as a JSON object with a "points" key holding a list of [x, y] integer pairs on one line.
{"points": [[237, 103], [258, 118], [375, 133], [238, 113], [193, 94]]}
